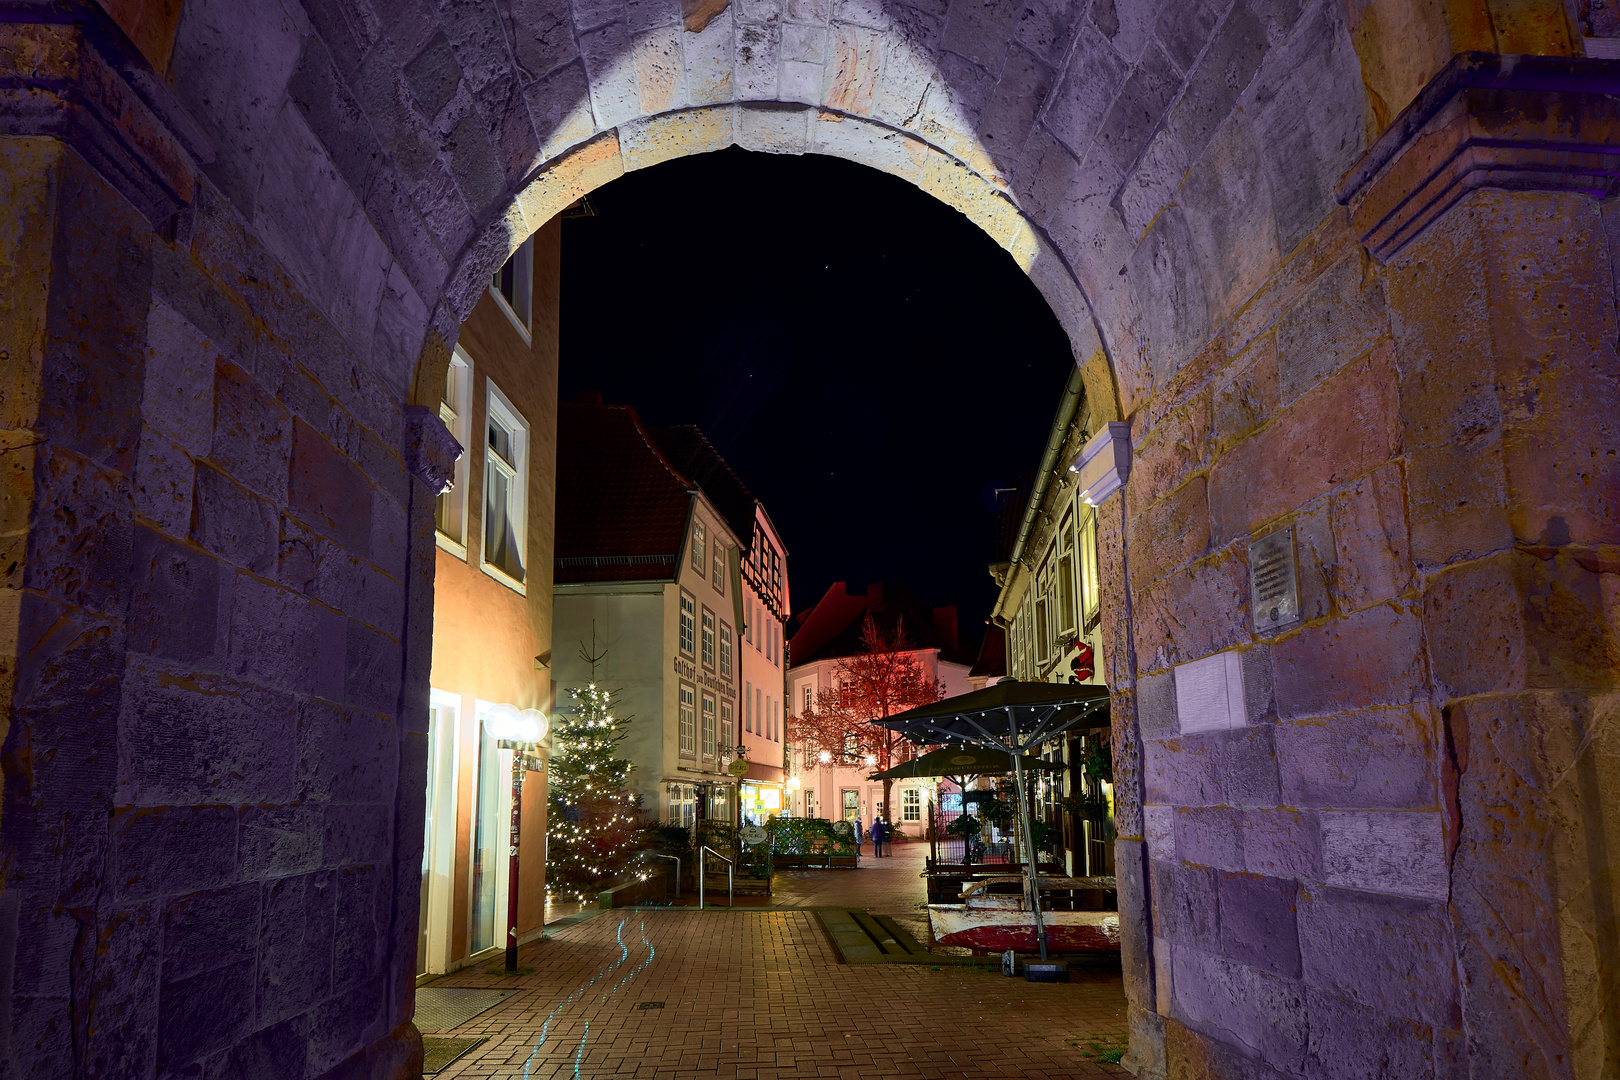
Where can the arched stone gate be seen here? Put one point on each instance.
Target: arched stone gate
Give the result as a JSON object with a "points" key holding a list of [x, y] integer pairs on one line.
{"points": [[1342, 268]]}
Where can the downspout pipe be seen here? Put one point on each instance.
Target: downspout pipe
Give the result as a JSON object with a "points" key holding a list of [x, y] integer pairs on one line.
{"points": [[1072, 391]]}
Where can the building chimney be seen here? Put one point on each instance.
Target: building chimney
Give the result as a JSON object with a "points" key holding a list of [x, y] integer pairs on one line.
{"points": [[945, 625]]}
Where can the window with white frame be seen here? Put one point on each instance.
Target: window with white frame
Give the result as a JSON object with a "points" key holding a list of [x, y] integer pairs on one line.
{"points": [[911, 804], [708, 639], [506, 485], [708, 724], [513, 288], [1090, 601], [725, 650], [688, 721], [697, 547], [688, 624], [455, 409], [728, 732], [809, 695], [718, 577], [1065, 579]]}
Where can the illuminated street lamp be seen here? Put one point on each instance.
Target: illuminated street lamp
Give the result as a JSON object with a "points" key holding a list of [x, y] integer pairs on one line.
{"points": [[824, 757], [517, 730], [869, 760]]}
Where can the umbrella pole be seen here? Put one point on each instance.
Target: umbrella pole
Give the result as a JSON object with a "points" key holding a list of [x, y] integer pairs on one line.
{"points": [[1029, 837]]}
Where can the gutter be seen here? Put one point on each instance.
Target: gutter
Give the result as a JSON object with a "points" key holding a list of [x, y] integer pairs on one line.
{"points": [[1070, 401]]}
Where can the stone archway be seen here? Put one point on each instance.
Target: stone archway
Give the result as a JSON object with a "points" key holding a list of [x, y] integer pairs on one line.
{"points": [[1255, 219]]}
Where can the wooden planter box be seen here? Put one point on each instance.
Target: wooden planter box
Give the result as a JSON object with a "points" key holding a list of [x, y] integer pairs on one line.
{"points": [[813, 862]]}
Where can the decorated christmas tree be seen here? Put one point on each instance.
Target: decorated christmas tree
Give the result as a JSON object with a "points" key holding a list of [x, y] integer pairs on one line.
{"points": [[592, 818]]}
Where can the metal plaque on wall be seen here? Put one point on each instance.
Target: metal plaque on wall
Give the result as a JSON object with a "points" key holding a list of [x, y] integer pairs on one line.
{"points": [[1273, 582]]}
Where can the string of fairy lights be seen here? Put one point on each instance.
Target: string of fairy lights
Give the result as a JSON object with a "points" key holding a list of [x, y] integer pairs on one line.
{"points": [[582, 990], [593, 816]]}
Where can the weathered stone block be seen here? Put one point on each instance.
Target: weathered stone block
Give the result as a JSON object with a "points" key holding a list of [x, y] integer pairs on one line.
{"points": [[1217, 588], [279, 638], [1178, 443], [295, 969], [1281, 843], [1473, 616], [277, 1050], [1159, 831], [1184, 771], [202, 1014], [772, 130], [612, 73], [193, 738], [1186, 904], [1257, 923], [1220, 997], [708, 59], [1387, 953], [161, 851], [1156, 705], [356, 833], [163, 483], [1249, 767], [659, 82], [208, 930], [177, 399], [1170, 533], [1456, 503], [1094, 75], [869, 144], [1343, 316], [175, 606], [1210, 836], [371, 668], [1356, 1043], [1374, 759], [329, 491], [1374, 555], [124, 993], [1248, 396], [280, 840], [361, 917], [344, 1024], [1373, 657], [79, 557], [756, 61], [1309, 450], [232, 522]]}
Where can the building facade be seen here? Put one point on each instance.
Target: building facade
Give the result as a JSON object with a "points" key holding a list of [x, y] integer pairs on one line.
{"points": [[1050, 609], [656, 599], [492, 612], [830, 632]]}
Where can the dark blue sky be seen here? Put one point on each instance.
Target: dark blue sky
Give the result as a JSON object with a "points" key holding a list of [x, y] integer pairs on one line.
{"points": [[867, 360]]}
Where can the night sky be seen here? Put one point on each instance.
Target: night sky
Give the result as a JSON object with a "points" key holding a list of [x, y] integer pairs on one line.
{"points": [[869, 362]]}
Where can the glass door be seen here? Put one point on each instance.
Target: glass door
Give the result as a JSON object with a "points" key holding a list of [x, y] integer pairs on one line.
{"points": [[439, 833], [491, 829]]}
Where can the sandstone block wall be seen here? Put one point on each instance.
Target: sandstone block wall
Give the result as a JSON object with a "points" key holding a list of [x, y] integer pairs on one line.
{"points": [[226, 268]]}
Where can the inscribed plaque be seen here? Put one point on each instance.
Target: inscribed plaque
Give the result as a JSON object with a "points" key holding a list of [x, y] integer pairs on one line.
{"points": [[1273, 582]]}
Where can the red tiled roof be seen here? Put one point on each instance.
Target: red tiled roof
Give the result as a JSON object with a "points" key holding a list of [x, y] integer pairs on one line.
{"points": [[992, 661], [832, 629], [622, 508]]}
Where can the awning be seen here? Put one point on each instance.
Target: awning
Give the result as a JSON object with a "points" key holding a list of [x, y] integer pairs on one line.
{"points": [[1013, 717], [954, 761]]}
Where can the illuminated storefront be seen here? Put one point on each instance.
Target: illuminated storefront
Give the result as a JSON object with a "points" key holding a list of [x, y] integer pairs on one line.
{"points": [[760, 801]]}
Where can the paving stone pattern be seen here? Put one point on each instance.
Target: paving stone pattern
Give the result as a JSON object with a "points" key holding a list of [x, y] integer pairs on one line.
{"points": [[760, 995]]}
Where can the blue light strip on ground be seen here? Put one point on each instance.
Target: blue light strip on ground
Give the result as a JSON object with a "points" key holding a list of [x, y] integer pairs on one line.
{"points": [[624, 955]]}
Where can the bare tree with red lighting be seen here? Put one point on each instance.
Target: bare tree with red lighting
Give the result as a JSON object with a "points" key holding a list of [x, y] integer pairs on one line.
{"points": [[884, 678]]}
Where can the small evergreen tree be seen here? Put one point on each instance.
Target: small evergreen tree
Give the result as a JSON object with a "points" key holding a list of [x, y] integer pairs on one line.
{"points": [[593, 819]]}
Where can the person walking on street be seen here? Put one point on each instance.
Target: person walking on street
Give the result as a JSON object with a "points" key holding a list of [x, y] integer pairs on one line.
{"points": [[860, 836], [880, 833]]}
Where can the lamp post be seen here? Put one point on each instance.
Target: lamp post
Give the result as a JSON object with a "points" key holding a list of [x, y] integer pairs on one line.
{"points": [[520, 731]]}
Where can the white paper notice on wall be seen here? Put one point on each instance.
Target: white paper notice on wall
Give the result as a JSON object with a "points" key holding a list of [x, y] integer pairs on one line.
{"points": [[1209, 693]]}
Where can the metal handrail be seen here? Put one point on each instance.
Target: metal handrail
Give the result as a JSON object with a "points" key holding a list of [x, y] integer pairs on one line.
{"points": [[731, 895], [677, 858]]}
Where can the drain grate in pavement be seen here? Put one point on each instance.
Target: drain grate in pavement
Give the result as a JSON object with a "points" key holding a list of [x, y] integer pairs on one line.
{"points": [[444, 1008], [650, 1005], [439, 1054]]}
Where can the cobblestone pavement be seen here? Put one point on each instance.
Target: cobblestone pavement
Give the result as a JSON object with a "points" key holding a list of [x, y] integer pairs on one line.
{"points": [[761, 995]]}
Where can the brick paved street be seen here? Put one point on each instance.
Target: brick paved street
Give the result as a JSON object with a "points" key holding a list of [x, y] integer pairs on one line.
{"points": [[761, 994]]}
